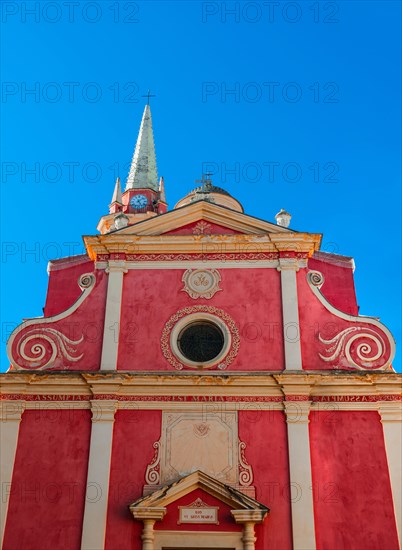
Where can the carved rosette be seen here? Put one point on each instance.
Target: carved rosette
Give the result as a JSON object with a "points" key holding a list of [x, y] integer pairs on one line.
{"points": [[201, 283], [38, 343], [229, 322]]}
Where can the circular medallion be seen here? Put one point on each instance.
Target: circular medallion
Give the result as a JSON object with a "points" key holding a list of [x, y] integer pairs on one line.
{"points": [[201, 283]]}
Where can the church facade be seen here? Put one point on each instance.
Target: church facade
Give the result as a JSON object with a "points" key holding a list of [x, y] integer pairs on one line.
{"points": [[200, 379]]}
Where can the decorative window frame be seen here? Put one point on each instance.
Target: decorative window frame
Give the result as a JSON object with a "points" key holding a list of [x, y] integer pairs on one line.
{"points": [[189, 315], [194, 318]]}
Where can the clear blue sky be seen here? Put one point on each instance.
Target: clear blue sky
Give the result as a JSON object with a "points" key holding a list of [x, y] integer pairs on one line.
{"points": [[333, 97]]}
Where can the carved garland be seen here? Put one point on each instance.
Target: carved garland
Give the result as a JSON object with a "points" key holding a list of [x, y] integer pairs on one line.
{"points": [[165, 339]]}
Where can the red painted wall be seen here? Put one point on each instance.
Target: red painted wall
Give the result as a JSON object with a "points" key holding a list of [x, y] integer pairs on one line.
{"points": [[339, 286], [225, 518], [49, 481], [351, 486], [250, 296], [265, 435], [63, 289], [134, 434]]}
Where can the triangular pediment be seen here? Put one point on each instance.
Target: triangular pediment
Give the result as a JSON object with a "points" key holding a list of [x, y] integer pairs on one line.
{"points": [[218, 217], [198, 480], [174, 233]]}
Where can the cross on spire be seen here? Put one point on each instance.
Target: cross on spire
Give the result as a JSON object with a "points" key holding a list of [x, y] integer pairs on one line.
{"points": [[206, 182], [148, 95]]}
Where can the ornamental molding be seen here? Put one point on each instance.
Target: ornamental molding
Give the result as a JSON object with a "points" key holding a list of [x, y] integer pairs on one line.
{"points": [[201, 400], [37, 347], [249, 239], [153, 471], [226, 319], [201, 283], [246, 476], [131, 382], [195, 440], [202, 228], [366, 345]]}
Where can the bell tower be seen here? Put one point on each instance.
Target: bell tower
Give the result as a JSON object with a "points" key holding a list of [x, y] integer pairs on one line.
{"points": [[144, 194]]}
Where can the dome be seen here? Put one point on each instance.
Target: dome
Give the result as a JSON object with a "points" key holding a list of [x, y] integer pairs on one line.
{"points": [[211, 189], [211, 193]]}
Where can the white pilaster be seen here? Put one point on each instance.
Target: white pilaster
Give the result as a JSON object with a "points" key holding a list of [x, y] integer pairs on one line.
{"points": [[391, 419], [111, 331], [297, 413], [97, 491], [290, 313], [10, 419]]}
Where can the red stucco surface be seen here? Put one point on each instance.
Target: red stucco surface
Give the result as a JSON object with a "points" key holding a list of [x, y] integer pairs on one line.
{"points": [[250, 296], [351, 487], [339, 287], [265, 435], [49, 481], [133, 437], [63, 289]]}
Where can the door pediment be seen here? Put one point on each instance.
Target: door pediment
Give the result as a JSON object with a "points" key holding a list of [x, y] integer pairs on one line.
{"points": [[219, 517], [236, 500]]}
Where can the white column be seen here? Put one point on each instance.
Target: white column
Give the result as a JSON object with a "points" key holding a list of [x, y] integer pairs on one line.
{"points": [[297, 413], [248, 518], [111, 331], [391, 418], [10, 419], [148, 516], [97, 491], [290, 313]]}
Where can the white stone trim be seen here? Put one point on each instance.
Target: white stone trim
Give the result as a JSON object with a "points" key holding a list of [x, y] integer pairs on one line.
{"points": [[290, 314], [97, 492], [315, 280], [10, 419], [189, 320], [111, 331], [86, 282], [303, 527], [186, 539], [197, 264], [391, 419]]}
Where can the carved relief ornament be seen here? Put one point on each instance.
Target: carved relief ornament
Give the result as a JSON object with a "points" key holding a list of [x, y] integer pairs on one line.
{"points": [[201, 283]]}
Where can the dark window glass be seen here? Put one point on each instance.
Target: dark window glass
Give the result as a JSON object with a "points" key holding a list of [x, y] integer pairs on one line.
{"points": [[201, 341]]}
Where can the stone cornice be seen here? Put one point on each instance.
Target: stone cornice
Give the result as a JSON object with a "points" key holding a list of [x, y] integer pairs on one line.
{"points": [[119, 243], [270, 386]]}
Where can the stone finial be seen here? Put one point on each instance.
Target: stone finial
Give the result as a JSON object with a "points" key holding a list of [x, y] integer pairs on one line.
{"points": [[283, 218]]}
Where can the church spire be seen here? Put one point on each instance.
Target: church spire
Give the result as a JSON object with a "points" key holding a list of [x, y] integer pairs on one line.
{"points": [[143, 171]]}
